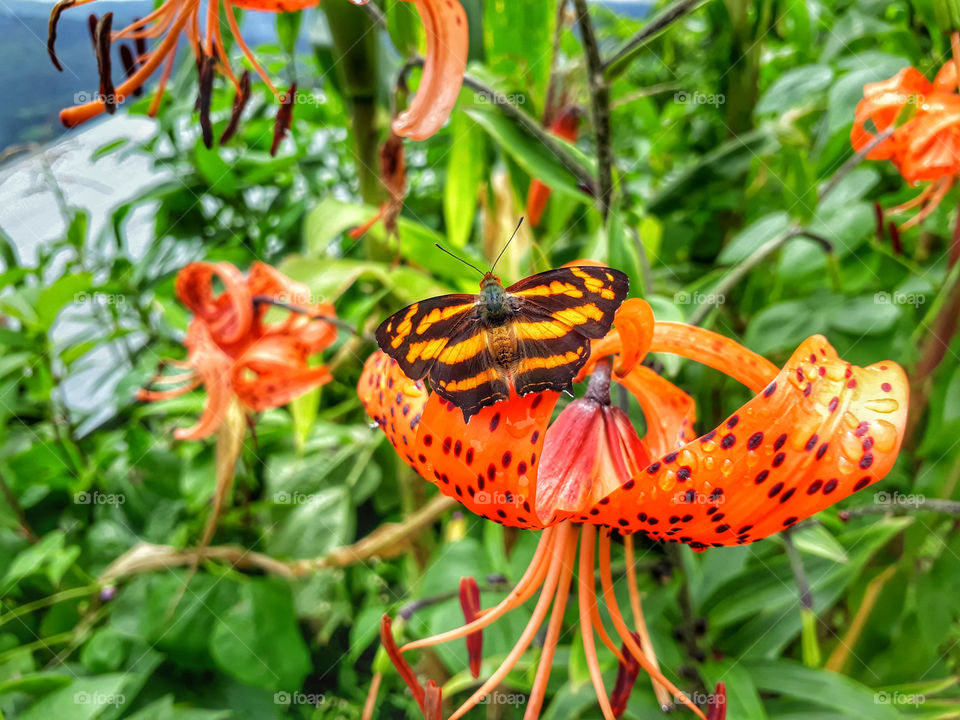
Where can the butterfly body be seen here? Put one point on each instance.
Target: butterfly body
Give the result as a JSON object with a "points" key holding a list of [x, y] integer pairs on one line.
{"points": [[533, 336]]}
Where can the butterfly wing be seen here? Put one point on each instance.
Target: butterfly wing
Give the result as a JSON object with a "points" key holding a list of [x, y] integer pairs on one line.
{"points": [[417, 335], [557, 313], [466, 374], [584, 298]]}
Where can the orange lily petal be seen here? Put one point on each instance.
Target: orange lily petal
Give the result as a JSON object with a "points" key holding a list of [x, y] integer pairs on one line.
{"points": [[213, 368], [820, 431], [395, 402], [445, 24], [669, 411], [228, 315]]}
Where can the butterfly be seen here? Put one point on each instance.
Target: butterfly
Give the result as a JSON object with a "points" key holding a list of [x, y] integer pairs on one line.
{"points": [[534, 335]]}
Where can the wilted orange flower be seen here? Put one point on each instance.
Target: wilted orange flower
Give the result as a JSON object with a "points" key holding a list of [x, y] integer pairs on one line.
{"points": [[445, 23], [923, 119], [234, 352], [817, 430]]}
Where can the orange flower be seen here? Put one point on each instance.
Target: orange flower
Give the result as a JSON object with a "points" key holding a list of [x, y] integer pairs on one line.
{"points": [[445, 23], [234, 352], [925, 121], [816, 431]]}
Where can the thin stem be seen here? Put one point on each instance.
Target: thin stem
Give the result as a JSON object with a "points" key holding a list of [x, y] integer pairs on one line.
{"points": [[14, 504], [621, 59], [600, 106], [640, 623], [48, 601], [904, 507], [852, 162], [799, 574]]}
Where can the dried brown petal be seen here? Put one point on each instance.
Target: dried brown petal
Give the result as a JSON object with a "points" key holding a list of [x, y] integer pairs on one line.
{"points": [[204, 96], [240, 101], [470, 602], [52, 30], [108, 93]]}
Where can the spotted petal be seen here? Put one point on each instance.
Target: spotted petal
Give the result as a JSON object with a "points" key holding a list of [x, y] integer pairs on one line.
{"points": [[821, 430]]}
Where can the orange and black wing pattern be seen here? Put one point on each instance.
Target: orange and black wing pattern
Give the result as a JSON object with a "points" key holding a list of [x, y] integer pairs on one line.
{"points": [[417, 335], [537, 337], [558, 313]]}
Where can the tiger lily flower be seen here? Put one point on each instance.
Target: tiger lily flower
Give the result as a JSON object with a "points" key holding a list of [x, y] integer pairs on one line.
{"points": [[923, 122], [445, 23], [816, 431], [234, 352]]}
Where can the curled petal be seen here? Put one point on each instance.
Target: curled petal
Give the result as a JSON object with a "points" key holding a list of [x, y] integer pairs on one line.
{"points": [[821, 430], [946, 79], [929, 151], [489, 464], [272, 372], [882, 104], [445, 23], [433, 702], [395, 402], [228, 315], [212, 367], [714, 350], [634, 322]]}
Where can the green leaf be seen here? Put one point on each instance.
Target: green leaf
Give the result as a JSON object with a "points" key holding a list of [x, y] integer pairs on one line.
{"points": [[465, 172], [753, 237], [795, 87], [518, 38], [86, 698], [819, 687], [535, 159], [258, 642]]}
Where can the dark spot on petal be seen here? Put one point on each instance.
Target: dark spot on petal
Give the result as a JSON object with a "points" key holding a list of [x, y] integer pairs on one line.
{"points": [[771, 389], [811, 442], [866, 461], [861, 483], [728, 440], [683, 474], [787, 495], [780, 441], [507, 459], [830, 486], [732, 422], [494, 422], [754, 442], [761, 476], [775, 490], [778, 459]]}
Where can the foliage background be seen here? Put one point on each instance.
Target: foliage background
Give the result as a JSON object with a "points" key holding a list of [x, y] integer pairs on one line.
{"points": [[724, 128]]}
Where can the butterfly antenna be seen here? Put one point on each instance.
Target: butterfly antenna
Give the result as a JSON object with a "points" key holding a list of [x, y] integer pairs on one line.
{"points": [[516, 230], [460, 259]]}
